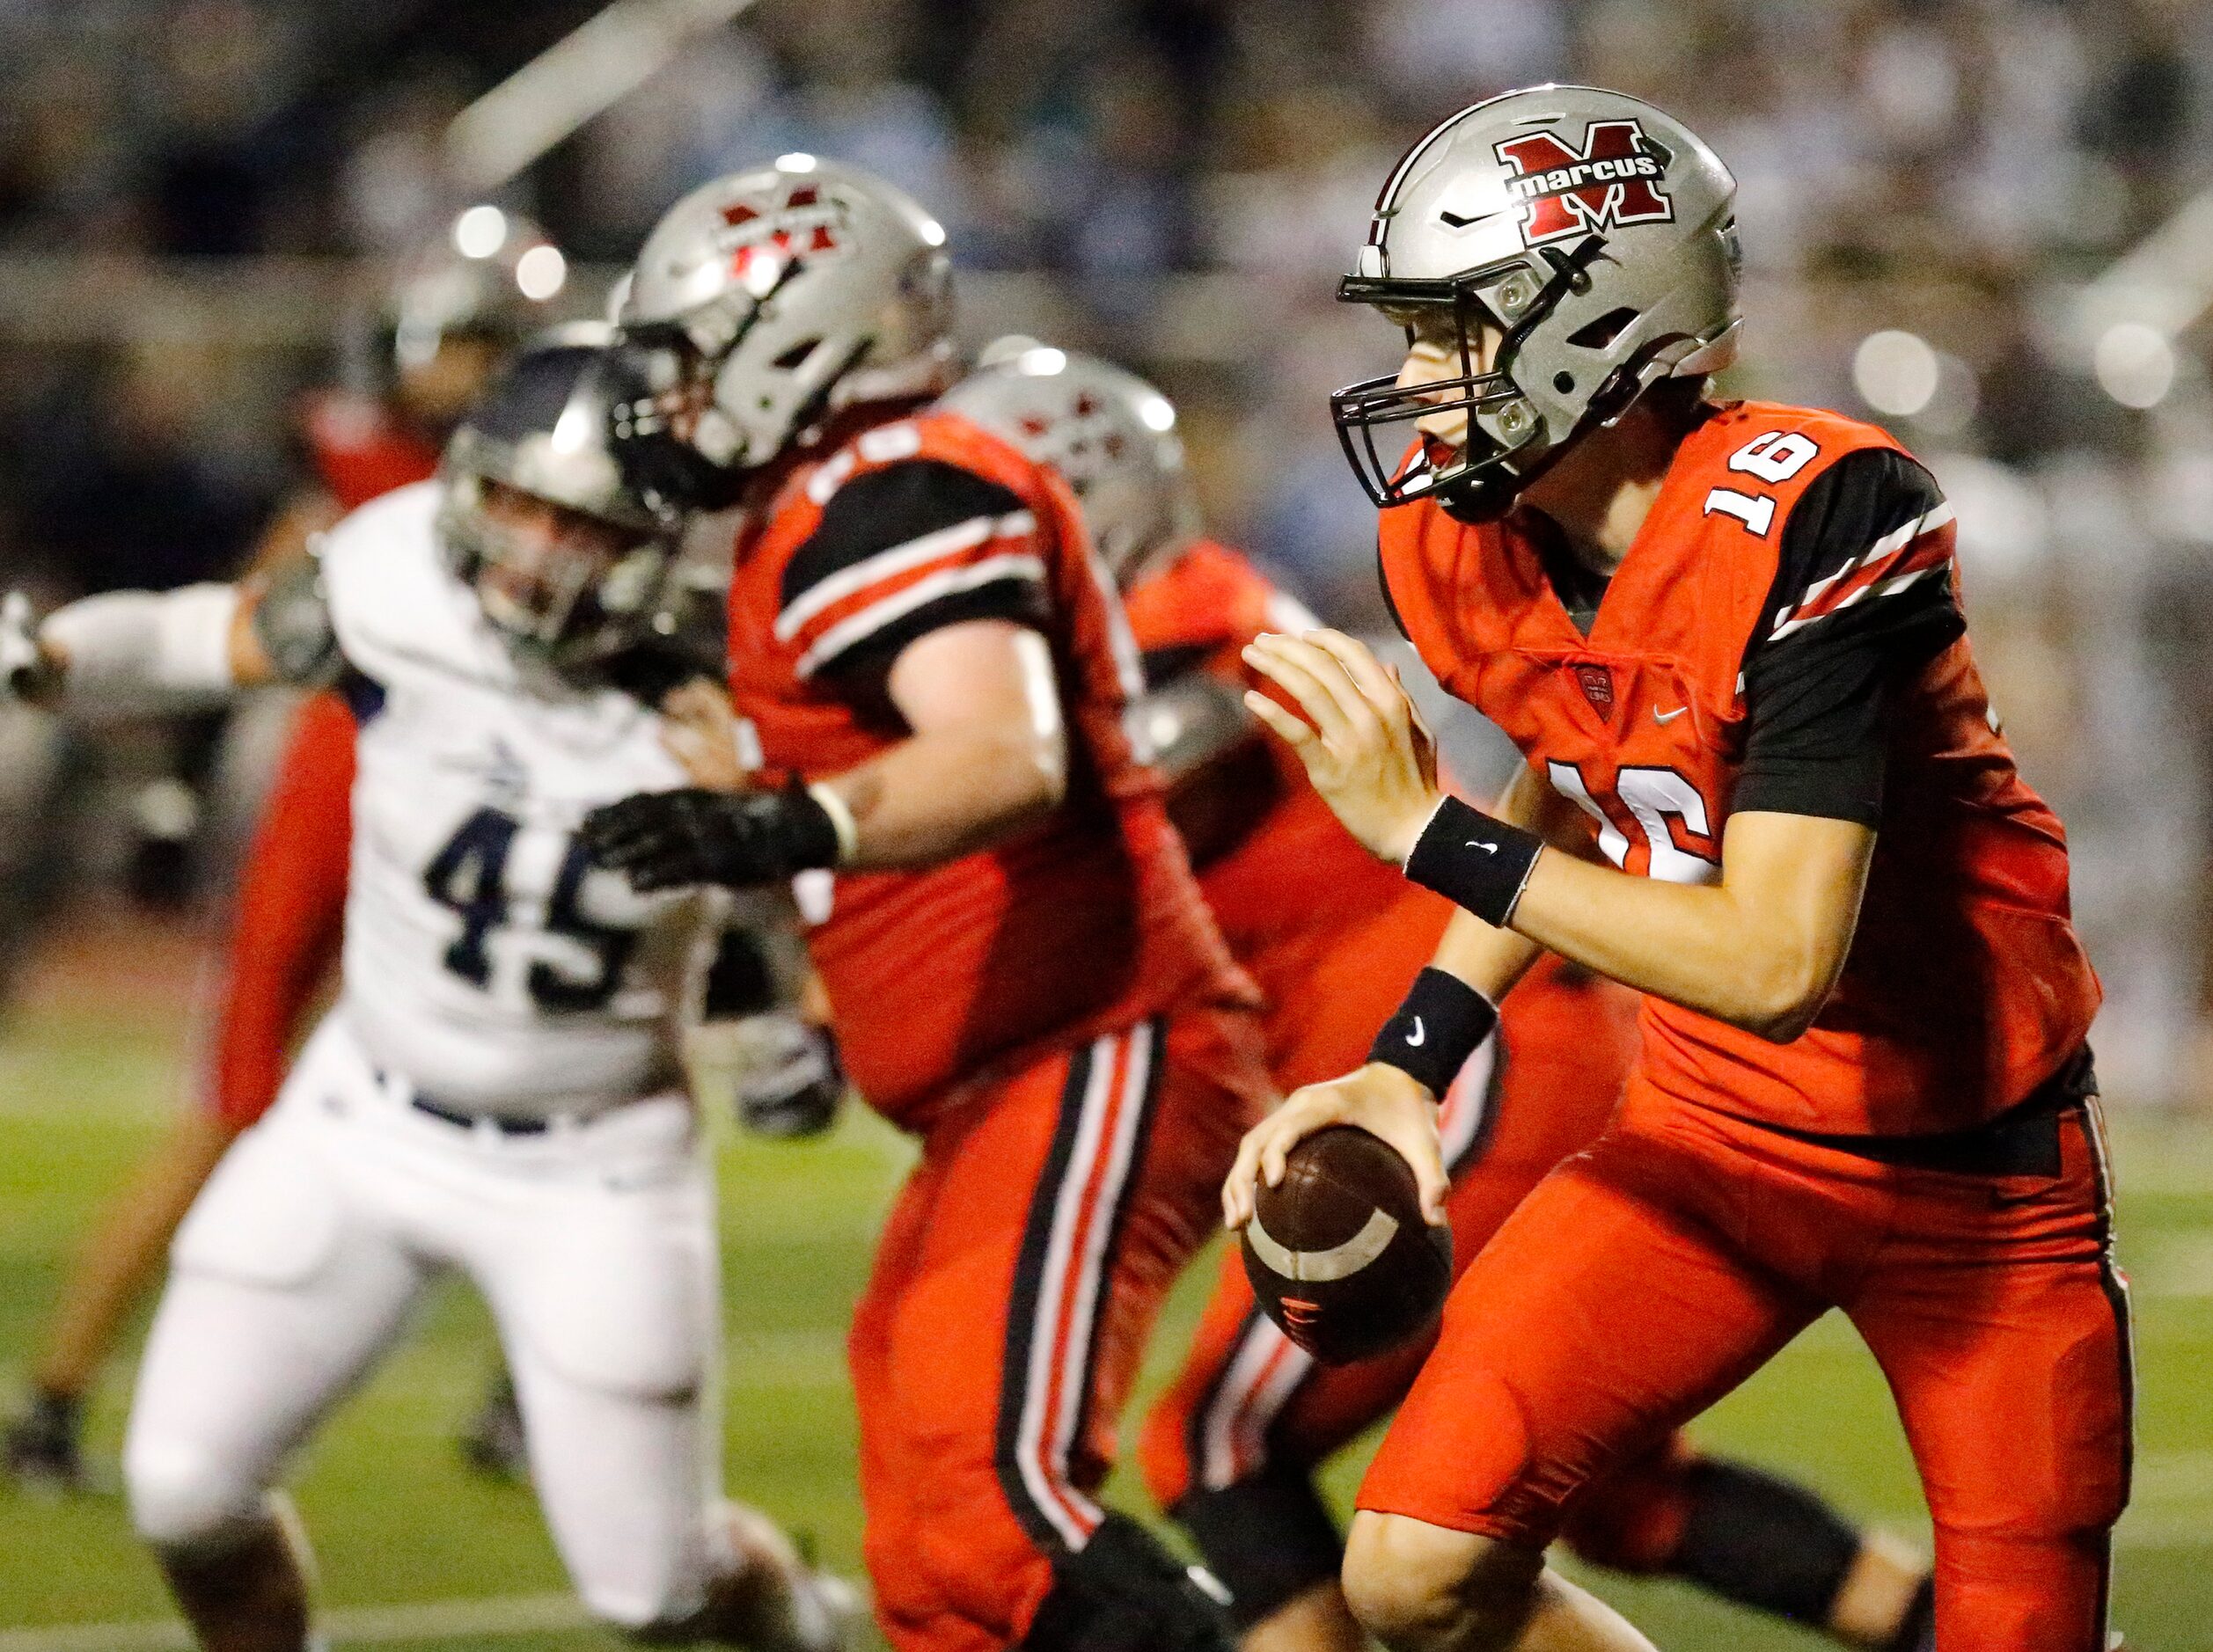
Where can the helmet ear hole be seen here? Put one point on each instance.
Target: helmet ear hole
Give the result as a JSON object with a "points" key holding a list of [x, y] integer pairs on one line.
{"points": [[791, 360], [1596, 335]]}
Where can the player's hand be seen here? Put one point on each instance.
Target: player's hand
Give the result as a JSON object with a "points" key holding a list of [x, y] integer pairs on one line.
{"points": [[1383, 1100], [669, 840], [700, 730], [780, 1073], [1364, 744], [26, 669], [797, 1083]]}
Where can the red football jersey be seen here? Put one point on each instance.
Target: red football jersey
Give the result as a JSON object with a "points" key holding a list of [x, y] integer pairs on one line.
{"points": [[1966, 985], [360, 450], [1290, 877], [289, 912], [1089, 921]]}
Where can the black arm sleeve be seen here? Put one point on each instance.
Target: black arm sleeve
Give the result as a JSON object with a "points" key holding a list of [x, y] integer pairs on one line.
{"points": [[1863, 595], [878, 522]]}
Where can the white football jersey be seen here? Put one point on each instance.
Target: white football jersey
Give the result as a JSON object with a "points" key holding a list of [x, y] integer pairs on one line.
{"points": [[486, 960]]}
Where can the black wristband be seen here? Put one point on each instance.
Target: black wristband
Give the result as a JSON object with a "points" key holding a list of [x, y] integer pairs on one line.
{"points": [[1435, 1030], [1478, 864]]}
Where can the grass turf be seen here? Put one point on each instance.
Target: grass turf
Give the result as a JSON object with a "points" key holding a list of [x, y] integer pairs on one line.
{"points": [[397, 1521]]}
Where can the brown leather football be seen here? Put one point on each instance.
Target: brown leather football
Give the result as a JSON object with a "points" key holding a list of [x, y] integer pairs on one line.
{"points": [[1338, 1252]]}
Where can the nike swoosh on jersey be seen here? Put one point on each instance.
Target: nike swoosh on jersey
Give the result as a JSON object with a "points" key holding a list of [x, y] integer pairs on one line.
{"points": [[1418, 1035], [1659, 716]]}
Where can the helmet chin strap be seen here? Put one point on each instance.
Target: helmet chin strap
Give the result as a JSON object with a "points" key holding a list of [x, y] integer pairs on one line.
{"points": [[1487, 495]]}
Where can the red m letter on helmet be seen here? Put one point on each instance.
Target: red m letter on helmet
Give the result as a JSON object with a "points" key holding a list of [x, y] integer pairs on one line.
{"points": [[1614, 179]]}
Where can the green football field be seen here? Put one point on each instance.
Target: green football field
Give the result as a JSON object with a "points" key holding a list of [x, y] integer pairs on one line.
{"points": [[415, 1553]]}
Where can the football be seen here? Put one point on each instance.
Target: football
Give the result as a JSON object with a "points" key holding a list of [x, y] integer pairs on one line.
{"points": [[1338, 1252]]}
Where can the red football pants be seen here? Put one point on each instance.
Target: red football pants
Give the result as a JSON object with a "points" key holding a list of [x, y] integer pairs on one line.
{"points": [[1650, 1275], [1014, 1286], [1246, 1396]]}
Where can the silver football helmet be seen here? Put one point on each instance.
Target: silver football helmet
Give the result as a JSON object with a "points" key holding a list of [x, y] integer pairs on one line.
{"points": [[493, 276], [795, 290], [1111, 436], [565, 496], [1590, 235]]}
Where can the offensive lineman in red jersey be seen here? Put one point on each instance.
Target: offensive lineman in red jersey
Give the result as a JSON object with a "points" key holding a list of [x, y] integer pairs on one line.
{"points": [[1334, 937], [452, 319], [1021, 971], [1727, 637]]}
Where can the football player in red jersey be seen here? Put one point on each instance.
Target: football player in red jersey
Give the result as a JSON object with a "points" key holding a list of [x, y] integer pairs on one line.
{"points": [[455, 313], [453, 316], [1021, 970], [1765, 788], [1334, 937]]}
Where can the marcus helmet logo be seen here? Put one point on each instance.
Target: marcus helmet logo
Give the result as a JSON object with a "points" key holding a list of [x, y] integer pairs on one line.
{"points": [[1088, 444], [1615, 178], [762, 241]]}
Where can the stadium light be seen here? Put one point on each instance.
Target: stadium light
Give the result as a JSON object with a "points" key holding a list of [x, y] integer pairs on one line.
{"points": [[480, 232], [2134, 363], [1896, 372], [540, 273]]}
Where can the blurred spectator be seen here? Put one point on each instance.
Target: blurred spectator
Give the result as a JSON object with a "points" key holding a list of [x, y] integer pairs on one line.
{"points": [[1432, 55]]}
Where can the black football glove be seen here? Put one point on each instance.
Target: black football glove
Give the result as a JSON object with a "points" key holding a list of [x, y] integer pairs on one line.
{"points": [[791, 1080], [666, 840]]}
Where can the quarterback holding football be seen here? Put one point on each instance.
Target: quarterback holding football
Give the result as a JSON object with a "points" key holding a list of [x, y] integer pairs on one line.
{"points": [[1765, 788], [1334, 937]]}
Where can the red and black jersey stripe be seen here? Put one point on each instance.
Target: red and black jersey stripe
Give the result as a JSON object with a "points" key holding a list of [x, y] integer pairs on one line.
{"points": [[904, 551], [1863, 595]]}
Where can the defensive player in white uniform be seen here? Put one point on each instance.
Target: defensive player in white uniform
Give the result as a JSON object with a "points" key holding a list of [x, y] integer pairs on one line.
{"points": [[497, 1088]]}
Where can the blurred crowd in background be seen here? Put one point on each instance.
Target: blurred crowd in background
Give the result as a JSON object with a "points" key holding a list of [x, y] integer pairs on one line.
{"points": [[1938, 198]]}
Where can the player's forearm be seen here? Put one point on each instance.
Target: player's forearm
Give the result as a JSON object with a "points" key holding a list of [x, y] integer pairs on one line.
{"points": [[1489, 960], [949, 792], [127, 651], [1758, 952]]}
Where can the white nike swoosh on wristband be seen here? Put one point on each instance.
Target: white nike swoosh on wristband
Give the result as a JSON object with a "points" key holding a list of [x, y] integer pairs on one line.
{"points": [[1417, 1035], [1489, 849]]}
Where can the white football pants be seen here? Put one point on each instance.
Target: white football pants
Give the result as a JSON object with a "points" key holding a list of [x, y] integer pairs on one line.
{"points": [[593, 1244]]}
